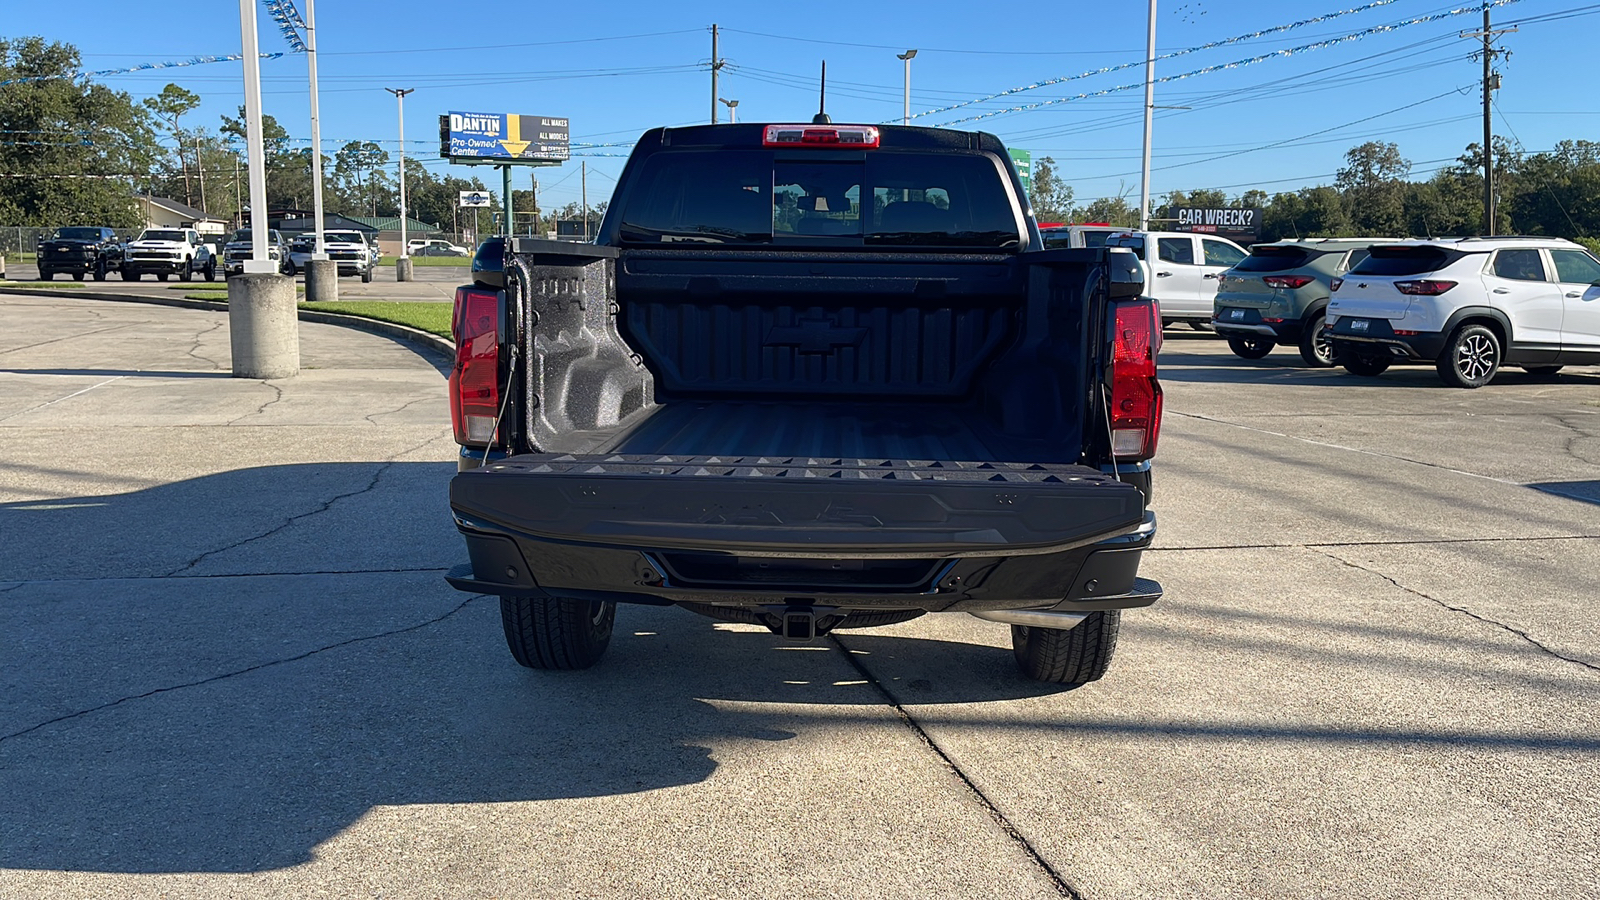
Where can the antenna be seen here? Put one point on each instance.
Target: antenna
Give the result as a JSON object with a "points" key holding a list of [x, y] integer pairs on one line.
{"points": [[821, 118]]}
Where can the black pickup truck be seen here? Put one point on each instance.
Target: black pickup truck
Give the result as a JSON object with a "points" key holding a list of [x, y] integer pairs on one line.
{"points": [[809, 377], [80, 250]]}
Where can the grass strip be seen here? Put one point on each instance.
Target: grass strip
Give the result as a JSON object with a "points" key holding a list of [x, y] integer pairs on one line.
{"points": [[433, 318]]}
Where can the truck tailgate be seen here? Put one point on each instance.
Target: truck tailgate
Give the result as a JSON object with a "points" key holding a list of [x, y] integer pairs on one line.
{"points": [[796, 506]]}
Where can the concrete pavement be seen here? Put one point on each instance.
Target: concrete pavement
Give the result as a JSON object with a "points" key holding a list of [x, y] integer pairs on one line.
{"points": [[231, 668]]}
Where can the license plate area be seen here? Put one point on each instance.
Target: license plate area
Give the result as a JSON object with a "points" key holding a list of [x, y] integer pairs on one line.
{"points": [[1360, 325]]}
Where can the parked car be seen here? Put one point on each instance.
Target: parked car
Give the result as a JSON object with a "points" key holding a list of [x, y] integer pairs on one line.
{"points": [[169, 251], [751, 405], [348, 249], [78, 251], [1088, 234], [1183, 276], [1470, 306], [240, 248], [435, 248], [1278, 295]]}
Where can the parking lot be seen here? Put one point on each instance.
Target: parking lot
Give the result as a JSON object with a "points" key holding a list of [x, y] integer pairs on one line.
{"points": [[231, 665]]}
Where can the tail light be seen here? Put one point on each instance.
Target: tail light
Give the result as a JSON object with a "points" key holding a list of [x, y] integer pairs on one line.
{"points": [[1135, 392], [1336, 284], [1290, 282], [475, 380], [820, 136], [1426, 287]]}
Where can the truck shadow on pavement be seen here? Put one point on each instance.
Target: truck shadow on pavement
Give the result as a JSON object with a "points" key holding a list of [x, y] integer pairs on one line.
{"points": [[236, 720]]}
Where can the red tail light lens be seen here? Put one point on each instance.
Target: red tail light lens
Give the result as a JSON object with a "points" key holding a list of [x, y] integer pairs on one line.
{"points": [[1336, 284], [821, 136], [1427, 287], [475, 380], [1287, 281], [1135, 392]]}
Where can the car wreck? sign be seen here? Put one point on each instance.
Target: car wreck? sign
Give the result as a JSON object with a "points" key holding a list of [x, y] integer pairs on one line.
{"points": [[1230, 222]]}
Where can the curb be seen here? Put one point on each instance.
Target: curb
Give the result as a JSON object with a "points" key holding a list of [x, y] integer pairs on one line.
{"points": [[433, 344]]}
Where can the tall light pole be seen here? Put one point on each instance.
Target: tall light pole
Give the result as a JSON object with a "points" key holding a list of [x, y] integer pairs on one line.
{"points": [[318, 250], [1149, 118], [400, 100], [733, 110], [906, 58]]}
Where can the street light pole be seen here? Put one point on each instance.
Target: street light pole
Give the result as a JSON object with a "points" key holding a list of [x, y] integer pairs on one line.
{"points": [[318, 250], [906, 58], [1149, 118], [400, 100], [254, 146], [733, 111]]}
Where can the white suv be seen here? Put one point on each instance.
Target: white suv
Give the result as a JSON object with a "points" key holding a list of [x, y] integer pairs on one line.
{"points": [[1470, 306], [1183, 276]]}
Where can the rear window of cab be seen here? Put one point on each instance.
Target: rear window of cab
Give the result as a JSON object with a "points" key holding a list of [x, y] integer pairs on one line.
{"points": [[806, 198]]}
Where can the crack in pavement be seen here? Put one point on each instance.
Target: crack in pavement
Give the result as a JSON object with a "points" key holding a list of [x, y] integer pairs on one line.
{"points": [[277, 391], [248, 669], [323, 507], [1578, 434], [1397, 543], [1057, 880], [199, 338], [1510, 629], [402, 409], [61, 399], [70, 337]]}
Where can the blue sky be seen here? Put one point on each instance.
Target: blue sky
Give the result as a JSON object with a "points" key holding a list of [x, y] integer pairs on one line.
{"points": [[615, 69]]}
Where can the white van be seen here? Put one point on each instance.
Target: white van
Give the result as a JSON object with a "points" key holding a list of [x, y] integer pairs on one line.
{"points": [[1183, 276]]}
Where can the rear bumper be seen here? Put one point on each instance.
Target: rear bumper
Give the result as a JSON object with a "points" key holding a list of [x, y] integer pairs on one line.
{"points": [[1252, 324], [1380, 340], [860, 559]]}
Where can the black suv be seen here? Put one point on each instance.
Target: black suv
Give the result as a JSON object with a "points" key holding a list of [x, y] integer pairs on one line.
{"points": [[78, 251]]}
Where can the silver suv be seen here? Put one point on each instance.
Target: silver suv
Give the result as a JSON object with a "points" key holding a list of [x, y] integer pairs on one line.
{"points": [[1278, 294], [1469, 306]]}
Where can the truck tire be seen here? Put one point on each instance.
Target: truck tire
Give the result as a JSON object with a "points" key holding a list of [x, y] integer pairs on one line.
{"points": [[161, 276], [1249, 347], [47, 275], [1072, 656], [557, 633], [1315, 348], [366, 275], [187, 272], [1471, 357], [100, 271], [130, 274], [211, 270]]}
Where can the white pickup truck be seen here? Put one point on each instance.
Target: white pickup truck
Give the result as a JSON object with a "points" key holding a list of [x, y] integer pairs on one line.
{"points": [[169, 251]]}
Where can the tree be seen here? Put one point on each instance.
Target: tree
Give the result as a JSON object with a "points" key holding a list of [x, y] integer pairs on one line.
{"points": [[1373, 186], [76, 145], [170, 106], [288, 171], [357, 168], [1051, 197]]}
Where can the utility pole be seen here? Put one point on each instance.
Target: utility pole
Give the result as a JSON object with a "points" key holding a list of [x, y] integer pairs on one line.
{"points": [[1491, 83], [403, 266], [716, 66], [583, 180], [534, 177], [201, 169], [906, 58], [1149, 118]]}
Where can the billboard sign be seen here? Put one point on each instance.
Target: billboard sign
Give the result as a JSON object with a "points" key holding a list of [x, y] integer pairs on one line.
{"points": [[1225, 222], [475, 199], [1023, 160], [503, 138]]}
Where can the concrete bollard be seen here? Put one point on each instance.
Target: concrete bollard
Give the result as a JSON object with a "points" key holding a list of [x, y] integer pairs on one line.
{"points": [[402, 269], [263, 329], [322, 281]]}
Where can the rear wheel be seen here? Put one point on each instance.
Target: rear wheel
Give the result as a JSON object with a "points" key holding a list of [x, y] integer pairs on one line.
{"points": [[161, 276], [1315, 347], [557, 633], [1072, 656], [1249, 347], [1542, 371], [1471, 357], [211, 270], [1357, 364], [77, 276]]}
